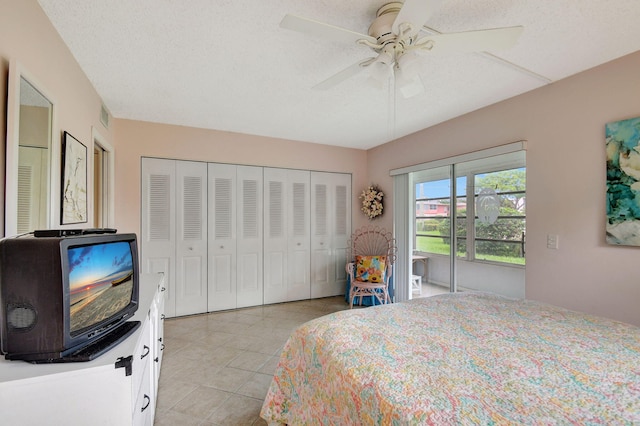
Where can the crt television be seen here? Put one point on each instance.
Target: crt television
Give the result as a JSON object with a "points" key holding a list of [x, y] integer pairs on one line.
{"points": [[66, 297]]}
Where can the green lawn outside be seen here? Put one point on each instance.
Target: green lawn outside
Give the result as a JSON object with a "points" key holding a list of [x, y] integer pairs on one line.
{"points": [[437, 246]]}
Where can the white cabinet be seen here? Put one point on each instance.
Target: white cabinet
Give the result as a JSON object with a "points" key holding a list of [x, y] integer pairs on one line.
{"points": [[174, 231], [330, 232], [286, 235], [98, 392]]}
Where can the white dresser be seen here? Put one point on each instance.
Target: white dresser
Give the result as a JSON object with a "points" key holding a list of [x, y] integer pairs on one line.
{"points": [[98, 392]]}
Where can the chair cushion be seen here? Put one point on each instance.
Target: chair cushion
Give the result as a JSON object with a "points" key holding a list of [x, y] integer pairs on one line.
{"points": [[370, 268]]}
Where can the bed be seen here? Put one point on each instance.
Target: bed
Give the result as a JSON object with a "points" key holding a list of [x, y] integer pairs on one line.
{"points": [[464, 358]]}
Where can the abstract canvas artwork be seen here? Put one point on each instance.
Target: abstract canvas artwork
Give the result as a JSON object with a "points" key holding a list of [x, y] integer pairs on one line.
{"points": [[623, 182]]}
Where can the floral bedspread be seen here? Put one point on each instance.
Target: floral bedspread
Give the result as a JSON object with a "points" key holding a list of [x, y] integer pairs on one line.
{"points": [[464, 358]]}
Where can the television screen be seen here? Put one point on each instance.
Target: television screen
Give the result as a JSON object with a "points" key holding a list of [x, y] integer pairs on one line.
{"points": [[100, 282]]}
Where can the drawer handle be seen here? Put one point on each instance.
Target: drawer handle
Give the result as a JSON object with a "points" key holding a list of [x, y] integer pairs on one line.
{"points": [[162, 347], [147, 404], [163, 289], [147, 350]]}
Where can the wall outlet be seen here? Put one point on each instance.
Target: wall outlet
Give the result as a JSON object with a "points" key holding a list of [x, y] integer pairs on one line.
{"points": [[552, 241]]}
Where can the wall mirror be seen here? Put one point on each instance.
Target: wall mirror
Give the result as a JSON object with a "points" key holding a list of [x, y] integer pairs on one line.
{"points": [[29, 159]]}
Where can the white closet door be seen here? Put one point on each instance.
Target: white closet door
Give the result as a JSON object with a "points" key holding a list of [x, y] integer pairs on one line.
{"points": [[330, 231], [286, 235], [222, 237], [275, 235], [158, 224], [341, 229], [249, 236], [191, 237], [299, 235]]}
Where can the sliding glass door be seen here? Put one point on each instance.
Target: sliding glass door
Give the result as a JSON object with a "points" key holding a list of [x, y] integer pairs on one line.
{"points": [[469, 226]]}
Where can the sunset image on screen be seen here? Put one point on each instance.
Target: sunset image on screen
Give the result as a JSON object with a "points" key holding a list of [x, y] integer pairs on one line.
{"points": [[100, 282]]}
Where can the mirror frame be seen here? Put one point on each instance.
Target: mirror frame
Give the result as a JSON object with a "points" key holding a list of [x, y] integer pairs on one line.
{"points": [[16, 73]]}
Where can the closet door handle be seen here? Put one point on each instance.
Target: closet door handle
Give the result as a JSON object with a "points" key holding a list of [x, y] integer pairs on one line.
{"points": [[147, 350]]}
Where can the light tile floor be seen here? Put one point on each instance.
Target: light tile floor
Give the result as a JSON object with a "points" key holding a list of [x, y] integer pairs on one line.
{"points": [[217, 367]]}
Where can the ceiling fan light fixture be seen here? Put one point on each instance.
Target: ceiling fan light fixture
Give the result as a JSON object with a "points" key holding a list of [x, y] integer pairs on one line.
{"points": [[380, 70]]}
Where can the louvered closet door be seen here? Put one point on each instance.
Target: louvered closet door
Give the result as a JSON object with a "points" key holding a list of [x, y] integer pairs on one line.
{"points": [[32, 199], [275, 235], [330, 230], [191, 237], [249, 236], [299, 235], [158, 224], [286, 235], [222, 237]]}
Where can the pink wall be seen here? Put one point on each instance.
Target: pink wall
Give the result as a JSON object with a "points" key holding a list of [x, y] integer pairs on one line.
{"points": [[136, 139], [563, 124], [27, 35]]}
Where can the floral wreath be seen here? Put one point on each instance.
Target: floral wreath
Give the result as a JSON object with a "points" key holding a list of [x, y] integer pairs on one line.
{"points": [[372, 201]]}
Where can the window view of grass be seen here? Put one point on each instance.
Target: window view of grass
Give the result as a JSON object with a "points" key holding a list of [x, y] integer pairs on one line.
{"points": [[501, 239], [438, 246]]}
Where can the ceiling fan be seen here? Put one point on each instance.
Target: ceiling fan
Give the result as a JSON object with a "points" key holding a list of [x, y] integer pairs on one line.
{"points": [[397, 36]]}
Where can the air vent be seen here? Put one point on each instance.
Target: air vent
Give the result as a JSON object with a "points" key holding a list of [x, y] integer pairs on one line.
{"points": [[104, 116]]}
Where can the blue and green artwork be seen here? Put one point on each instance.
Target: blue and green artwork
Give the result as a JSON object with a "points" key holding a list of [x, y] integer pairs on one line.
{"points": [[623, 182]]}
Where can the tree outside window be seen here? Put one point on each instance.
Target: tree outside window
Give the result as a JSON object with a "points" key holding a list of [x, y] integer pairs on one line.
{"points": [[502, 241]]}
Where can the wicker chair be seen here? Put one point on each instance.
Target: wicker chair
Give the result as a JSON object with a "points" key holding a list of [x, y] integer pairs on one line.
{"points": [[371, 244]]}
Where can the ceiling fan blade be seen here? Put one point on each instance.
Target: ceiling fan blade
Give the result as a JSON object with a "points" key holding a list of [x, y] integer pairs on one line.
{"points": [[343, 75], [321, 29], [415, 12], [473, 41]]}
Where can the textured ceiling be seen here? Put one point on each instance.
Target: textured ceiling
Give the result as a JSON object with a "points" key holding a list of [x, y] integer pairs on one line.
{"points": [[227, 65]]}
